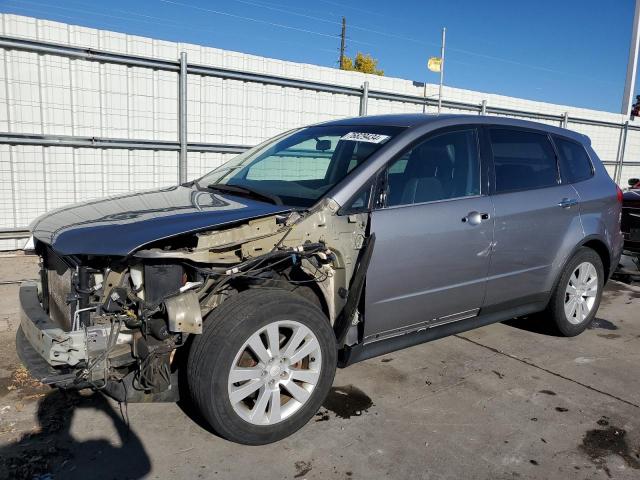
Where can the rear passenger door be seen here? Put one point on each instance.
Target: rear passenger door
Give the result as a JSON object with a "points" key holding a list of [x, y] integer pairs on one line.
{"points": [[537, 218]]}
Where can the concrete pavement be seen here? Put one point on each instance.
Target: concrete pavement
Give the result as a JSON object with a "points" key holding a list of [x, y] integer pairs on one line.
{"points": [[502, 402]]}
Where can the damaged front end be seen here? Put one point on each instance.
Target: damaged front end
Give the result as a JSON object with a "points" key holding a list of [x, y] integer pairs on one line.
{"points": [[121, 324]]}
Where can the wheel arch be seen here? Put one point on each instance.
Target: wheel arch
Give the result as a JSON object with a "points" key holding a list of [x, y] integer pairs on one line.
{"points": [[316, 295], [596, 244]]}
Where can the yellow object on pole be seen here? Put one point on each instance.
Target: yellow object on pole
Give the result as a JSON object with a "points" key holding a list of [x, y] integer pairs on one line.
{"points": [[434, 64]]}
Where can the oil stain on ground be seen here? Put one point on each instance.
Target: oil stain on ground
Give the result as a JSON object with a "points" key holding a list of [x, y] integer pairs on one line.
{"points": [[602, 323], [347, 401], [600, 443]]}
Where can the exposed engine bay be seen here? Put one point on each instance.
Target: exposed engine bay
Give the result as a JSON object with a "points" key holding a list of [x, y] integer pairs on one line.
{"points": [[122, 322]]}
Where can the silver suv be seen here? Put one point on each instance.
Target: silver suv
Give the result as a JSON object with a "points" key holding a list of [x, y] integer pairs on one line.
{"points": [[327, 245]]}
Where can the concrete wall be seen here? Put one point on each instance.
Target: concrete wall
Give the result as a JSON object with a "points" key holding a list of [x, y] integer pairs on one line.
{"points": [[49, 94]]}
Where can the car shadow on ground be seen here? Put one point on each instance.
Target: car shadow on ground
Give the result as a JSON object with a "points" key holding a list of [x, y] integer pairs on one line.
{"points": [[538, 324], [51, 451], [534, 324]]}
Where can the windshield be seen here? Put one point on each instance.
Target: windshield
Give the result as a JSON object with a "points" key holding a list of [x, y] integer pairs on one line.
{"points": [[300, 166]]}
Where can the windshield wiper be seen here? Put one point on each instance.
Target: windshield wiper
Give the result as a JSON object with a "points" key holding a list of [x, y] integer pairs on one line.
{"points": [[226, 188]]}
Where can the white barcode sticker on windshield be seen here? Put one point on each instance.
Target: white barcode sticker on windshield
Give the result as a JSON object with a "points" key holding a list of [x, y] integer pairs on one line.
{"points": [[365, 137]]}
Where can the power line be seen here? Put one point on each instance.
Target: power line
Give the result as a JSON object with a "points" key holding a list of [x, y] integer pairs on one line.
{"points": [[251, 19], [288, 12], [377, 32], [156, 20], [356, 9], [402, 37], [90, 12], [334, 22], [266, 22], [425, 43], [169, 23], [30, 11]]}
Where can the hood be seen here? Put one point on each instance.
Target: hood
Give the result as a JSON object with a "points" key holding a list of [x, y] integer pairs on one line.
{"points": [[120, 225]]}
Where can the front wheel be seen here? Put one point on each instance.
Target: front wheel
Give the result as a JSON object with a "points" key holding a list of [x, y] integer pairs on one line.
{"points": [[577, 295], [263, 365]]}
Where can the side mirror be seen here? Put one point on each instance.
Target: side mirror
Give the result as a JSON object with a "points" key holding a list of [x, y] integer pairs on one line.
{"points": [[633, 181], [323, 145]]}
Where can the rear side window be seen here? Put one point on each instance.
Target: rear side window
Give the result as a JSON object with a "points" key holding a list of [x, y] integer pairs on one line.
{"points": [[523, 160], [575, 164]]}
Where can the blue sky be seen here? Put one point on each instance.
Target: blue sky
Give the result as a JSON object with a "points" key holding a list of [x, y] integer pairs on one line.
{"points": [[563, 51]]}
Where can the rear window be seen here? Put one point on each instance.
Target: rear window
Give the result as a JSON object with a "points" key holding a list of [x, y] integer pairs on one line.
{"points": [[523, 160], [575, 164]]}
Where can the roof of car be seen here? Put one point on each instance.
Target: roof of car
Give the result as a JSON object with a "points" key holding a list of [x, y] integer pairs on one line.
{"points": [[393, 120], [419, 119]]}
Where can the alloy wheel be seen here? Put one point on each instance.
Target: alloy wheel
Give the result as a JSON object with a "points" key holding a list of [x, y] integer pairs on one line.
{"points": [[274, 372], [581, 293]]}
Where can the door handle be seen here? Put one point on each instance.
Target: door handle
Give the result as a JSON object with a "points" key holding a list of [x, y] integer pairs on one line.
{"points": [[568, 202], [475, 218]]}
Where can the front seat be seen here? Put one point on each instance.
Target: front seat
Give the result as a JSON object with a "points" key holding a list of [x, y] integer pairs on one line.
{"points": [[428, 172]]}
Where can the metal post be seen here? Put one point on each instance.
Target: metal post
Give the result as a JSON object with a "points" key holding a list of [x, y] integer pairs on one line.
{"points": [[632, 64], [565, 120], [424, 94], [182, 118], [617, 174], [483, 107], [364, 99], [444, 34]]}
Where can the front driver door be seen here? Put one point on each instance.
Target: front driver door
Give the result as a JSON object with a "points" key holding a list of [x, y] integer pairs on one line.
{"points": [[433, 238]]}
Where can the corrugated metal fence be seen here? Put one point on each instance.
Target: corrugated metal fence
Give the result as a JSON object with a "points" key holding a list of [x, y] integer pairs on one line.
{"points": [[84, 122]]}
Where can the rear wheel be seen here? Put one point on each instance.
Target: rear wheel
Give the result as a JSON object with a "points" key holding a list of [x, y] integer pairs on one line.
{"points": [[263, 365], [576, 299]]}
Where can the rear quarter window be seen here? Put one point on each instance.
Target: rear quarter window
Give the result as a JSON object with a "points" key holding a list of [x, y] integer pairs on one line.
{"points": [[575, 164]]}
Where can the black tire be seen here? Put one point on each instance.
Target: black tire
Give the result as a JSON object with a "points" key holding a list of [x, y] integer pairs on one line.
{"points": [[555, 312], [212, 354]]}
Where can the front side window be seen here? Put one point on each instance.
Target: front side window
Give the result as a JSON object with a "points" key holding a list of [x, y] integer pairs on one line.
{"points": [[299, 167], [444, 166], [523, 160], [575, 164]]}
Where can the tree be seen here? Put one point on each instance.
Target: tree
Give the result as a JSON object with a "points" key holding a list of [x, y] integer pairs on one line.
{"points": [[364, 63]]}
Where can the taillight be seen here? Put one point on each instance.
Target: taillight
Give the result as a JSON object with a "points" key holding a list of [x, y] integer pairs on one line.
{"points": [[620, 195]]}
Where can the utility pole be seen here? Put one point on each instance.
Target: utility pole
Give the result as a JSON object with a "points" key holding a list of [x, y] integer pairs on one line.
{"points": [[342, 41], [632, 65], [444, 34]]}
